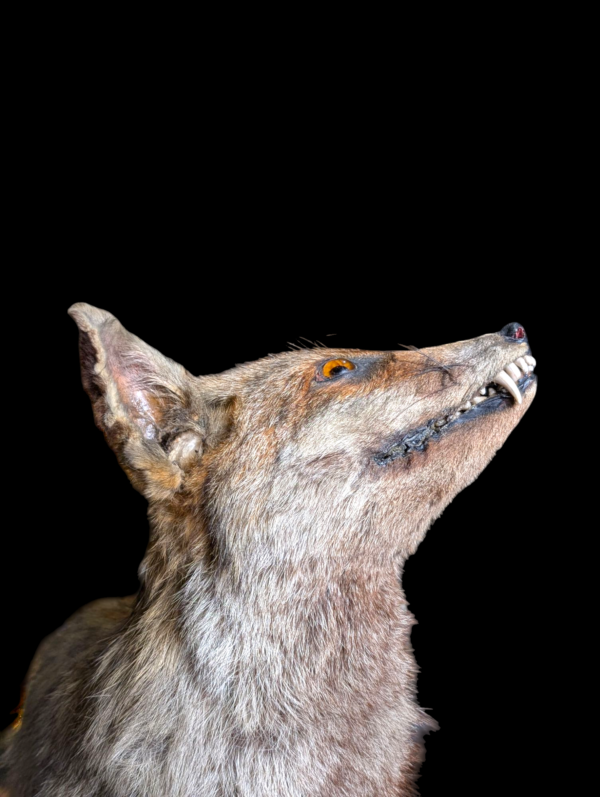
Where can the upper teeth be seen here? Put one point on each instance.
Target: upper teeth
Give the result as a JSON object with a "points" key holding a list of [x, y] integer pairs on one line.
{"points": [[514, 370], [506, 378]]}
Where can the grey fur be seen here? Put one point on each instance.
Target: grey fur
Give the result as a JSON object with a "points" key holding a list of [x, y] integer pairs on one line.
{"points": [[268, 651]]}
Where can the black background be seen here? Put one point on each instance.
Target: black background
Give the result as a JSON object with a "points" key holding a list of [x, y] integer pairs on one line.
{"points": [[480, 583], [222, 206]]}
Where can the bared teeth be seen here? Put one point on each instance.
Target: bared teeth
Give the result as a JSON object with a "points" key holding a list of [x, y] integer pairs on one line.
{"points": [[506, 380], [513, 370], [508, 377]]}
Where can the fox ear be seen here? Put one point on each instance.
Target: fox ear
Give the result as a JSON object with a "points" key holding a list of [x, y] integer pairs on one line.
{"points": [[151, 410]]}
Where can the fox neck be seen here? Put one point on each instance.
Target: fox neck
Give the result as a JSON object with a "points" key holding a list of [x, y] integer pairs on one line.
{"points": [[277, 656], [277, 634], [285, 649]]}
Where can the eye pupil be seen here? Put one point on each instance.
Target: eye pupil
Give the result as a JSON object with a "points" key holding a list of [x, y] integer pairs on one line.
{"points": [[337, 370]]}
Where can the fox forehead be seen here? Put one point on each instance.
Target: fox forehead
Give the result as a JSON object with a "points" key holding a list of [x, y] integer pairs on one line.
{"points": [[372, 370], [291, 386], [303, 370]]}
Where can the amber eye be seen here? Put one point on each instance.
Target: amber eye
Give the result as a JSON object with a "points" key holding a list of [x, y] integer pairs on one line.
{"points": [[335, 367]]}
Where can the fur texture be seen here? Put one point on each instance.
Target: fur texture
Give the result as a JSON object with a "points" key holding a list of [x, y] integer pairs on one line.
{"points": [[268, 650]]}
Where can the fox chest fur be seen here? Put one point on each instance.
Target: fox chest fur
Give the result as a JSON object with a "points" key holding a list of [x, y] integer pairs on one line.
{"points": [[268, 649]]}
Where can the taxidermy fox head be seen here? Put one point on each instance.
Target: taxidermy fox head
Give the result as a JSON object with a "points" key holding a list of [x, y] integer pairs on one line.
{"points": [[316, 454]]}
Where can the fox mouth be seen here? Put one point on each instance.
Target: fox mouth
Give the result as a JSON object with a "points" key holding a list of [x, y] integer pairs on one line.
{"points": [[506, 388]]}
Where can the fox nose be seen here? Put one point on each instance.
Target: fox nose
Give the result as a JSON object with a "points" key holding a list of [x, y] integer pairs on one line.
{"points": [[514, 332]]}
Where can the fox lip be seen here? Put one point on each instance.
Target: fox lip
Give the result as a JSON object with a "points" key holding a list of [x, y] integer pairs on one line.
{"points": [[498, 394]]}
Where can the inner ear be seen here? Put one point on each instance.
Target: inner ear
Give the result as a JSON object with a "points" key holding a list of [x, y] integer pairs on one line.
{"points": [[152, 411]]}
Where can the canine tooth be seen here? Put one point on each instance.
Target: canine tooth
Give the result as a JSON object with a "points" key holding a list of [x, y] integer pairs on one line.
{"points": [[531, 360], [513, 370], [523, 365], [483, 391], [478, 399], [504, 379]]}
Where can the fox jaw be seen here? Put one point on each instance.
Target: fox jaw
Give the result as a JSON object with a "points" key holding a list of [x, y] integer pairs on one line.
{"points": [[355, 451]]}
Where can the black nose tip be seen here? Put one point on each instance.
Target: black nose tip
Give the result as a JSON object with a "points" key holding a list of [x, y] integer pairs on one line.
{"points": [[514, 332]]}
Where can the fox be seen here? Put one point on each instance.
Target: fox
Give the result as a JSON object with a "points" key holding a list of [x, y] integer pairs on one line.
{"points": [[267, 652]]}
